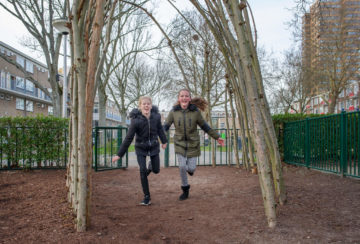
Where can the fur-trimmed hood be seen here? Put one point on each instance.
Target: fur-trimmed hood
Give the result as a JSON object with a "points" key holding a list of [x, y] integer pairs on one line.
{"points": [[137, 112]]}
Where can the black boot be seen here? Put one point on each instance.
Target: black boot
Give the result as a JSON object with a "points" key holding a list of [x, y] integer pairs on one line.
{"points": [[185, 194], [146, 201]]}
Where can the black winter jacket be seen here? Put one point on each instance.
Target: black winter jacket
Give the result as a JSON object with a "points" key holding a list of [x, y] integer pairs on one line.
{"points": [[147, 133]]}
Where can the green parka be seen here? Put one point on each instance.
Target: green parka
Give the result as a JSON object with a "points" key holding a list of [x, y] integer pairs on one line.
{"points": [[186, 138]]}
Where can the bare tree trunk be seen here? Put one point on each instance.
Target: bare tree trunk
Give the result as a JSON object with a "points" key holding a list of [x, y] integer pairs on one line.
{"points": [[73, 191], [228, 137], [208, 86], [332, 103], [102, 104], [86, 40], [234, 129], [270, 135], [255, 100]]}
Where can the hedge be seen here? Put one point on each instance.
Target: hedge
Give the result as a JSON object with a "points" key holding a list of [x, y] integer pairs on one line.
{"points": [[28, 142]]}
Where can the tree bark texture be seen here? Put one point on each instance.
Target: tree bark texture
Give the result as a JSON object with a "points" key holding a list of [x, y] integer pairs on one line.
{"points": [[87, 23]]}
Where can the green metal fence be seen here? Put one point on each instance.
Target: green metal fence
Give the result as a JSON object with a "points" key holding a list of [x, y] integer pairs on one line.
{"points": [[223, 155], [330, 143], [107, 141], [33, 148]]}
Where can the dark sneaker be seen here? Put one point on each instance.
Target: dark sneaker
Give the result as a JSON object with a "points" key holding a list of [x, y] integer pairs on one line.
{"points": [[146, 201], [190, 173]]}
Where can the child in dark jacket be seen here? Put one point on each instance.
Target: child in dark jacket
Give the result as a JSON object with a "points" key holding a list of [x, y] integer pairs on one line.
{"points": [[186, 116], [146, 124]]}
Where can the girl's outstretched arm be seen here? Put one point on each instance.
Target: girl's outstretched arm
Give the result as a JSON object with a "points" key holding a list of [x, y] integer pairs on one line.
{"points": [[128, 139]]}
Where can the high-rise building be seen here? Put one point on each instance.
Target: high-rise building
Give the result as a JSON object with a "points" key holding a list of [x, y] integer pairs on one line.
{"points": [[331, 50]]}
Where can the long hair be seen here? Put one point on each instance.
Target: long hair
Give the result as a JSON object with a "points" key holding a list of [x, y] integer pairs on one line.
{"points": [[199, 102]]}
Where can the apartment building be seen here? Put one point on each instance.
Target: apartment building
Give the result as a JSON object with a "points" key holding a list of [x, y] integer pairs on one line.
{"points": [[331, 52], [113, 117], [18, 95], [348, 100]]}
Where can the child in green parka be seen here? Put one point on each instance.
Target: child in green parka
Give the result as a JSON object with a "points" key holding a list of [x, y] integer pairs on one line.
{"points": [[186, 116]]}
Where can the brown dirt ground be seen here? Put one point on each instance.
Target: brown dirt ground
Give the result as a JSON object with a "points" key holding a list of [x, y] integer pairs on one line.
{"points": [[225, 206]]}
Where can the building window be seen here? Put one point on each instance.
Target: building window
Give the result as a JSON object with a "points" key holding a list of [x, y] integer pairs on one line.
{"points": [[3, 79], [222, 125], [315, 101], [20, 83], [29, 67], [30, 106], [41, 94], [20, 60], [8, 80], [50, 110], [19, 103], [30, 86]]}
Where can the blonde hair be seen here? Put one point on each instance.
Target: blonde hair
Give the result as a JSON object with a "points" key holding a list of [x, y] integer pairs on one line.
{"points": [[141, 99]]}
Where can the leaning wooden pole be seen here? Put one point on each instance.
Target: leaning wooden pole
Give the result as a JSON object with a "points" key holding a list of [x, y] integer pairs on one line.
{"points": [[241, 59], [270, 130]]}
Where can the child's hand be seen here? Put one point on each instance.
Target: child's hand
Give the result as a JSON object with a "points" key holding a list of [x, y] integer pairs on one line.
{"points": [[220, 141], [163, 146], [116, 158]]}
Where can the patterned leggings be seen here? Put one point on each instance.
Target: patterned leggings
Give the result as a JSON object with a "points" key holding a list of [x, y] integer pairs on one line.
{"points": [[185, 165]]}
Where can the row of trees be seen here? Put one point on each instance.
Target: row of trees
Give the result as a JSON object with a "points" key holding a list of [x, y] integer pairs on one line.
{"points": [[211, 51]]}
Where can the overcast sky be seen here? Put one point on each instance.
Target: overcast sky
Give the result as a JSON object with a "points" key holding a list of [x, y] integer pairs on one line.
{"points": [[270, 17]]}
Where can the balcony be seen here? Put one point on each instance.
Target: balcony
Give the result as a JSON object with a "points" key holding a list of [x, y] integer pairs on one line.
{"points": [[35, 95]]}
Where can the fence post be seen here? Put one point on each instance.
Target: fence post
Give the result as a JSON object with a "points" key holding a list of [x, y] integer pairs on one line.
{"points": [[166, 161], [307, 142], [119, 141], [343, 142]]}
